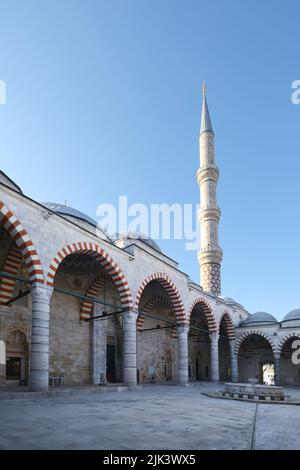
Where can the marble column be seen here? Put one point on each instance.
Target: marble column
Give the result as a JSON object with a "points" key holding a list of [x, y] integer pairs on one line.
{"points": [[129, 351], [98, 353], [214, 357], [39, 357], [183, 363], [277, 357], [234, 361]]}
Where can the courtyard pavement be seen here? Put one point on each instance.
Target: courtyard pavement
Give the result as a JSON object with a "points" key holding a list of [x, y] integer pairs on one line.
{"points": [[158, 417]]}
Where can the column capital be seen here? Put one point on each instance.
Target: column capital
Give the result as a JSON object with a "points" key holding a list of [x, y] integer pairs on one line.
{"points": [[37, 288], [214, 336], [182, 328]]}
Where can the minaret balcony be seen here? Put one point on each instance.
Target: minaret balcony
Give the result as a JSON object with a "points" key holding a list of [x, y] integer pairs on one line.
{"points": [[209, 213], [210, 254], [210, 173]]}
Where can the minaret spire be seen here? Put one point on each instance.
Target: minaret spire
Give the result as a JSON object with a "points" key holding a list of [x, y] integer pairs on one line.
{"points": [[210, 254]]}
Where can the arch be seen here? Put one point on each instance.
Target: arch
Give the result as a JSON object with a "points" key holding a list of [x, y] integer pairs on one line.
{"points": [[93, 290], [229, 326], [21, 238], [250, 333], [285, 339], [155, 299], [94, 250], [172, 291], [12, 266], [207, 310]]}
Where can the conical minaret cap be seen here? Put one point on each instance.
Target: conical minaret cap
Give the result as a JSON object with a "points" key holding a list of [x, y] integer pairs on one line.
{"points": [[206, 124]]}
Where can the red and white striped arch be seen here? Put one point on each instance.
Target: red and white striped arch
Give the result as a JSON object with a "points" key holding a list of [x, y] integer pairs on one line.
{"points": [[111, 267], [251, 333], [285, 339], [171, 290], [23, 242], [94, 289], [12, 266], [147, 307], [207, 310], [228, 323]]}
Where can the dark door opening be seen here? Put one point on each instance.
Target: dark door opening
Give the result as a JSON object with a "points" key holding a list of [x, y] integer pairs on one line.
{"points": [[197, 368], [13, 368], [111, 363]]}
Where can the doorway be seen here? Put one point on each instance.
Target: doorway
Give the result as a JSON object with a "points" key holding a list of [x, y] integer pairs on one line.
{"points": [[111, 363]]}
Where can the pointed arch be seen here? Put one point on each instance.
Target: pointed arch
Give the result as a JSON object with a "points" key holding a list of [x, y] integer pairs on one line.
{"points": [[207, 310], [23, 242], [12, 266], [285, 339], [171, 290], [229, 326], [251, 333], [155, 300], [98, 253], [94, 289]]}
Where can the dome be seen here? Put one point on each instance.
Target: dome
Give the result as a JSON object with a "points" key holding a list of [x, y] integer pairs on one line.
{"points": [[70, 212], [293, 315], [82, 219], [259, 317], [229, 300], [137, 236]]}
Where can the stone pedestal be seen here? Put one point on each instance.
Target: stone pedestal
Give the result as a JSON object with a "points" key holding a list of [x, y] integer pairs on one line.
{"points": [[253, 391], [39, 357], [183, 364], [214, 357], [129, 341]]}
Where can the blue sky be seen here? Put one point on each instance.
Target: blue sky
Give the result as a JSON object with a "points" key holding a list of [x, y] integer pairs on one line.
{"points": [[104, 99]]}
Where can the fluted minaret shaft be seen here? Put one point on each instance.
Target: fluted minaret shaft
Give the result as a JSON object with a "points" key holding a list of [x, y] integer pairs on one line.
{"points": [[210, 253]]}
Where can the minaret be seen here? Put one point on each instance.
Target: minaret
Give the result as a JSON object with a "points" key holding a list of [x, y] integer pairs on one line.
{"points": [[210, 254]]}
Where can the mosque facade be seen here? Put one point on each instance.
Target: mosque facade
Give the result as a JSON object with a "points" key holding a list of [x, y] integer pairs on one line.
{"points": [[80, 307]]}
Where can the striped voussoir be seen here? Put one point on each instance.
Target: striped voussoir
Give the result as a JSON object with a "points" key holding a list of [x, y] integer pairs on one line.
{"points": [[157, 300], [21, 239], [285, 341], [171, 290], [93, 290], [228, 323], [206, 309], [111, 267], [250, 333], [12, 266]]}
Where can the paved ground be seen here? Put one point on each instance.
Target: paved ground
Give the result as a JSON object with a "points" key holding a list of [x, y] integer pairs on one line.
{"points": [[159, 417]]}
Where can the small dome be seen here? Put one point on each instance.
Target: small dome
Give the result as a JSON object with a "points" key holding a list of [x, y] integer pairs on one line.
{"points": [[137, 236], [69, 211], [82, 219], [293, 315], [229, 300], [259, 317]]}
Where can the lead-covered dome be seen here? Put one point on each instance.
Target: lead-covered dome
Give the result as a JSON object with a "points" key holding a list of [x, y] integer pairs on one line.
{"points": [[129, 236], [292, 315], [73, 214], [260, 317]]}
